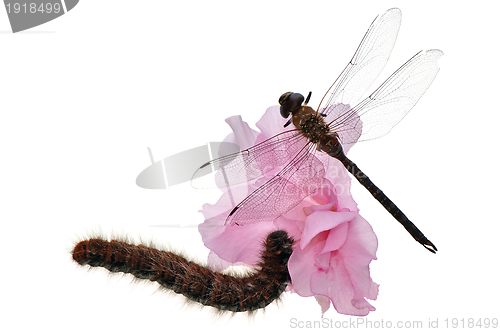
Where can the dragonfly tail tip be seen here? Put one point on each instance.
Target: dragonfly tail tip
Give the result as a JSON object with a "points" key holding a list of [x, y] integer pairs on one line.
{"points": [[429, 246]]}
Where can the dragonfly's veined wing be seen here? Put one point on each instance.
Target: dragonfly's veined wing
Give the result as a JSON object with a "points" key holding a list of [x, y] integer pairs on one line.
{"points": [[301, 177], [250, 163], [303, 173], [366, 64], [364, 67], [376, 115]]}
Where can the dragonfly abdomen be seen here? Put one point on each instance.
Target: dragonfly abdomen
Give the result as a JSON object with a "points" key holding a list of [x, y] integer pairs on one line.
{"points": [[386, 203], [330, 144]]}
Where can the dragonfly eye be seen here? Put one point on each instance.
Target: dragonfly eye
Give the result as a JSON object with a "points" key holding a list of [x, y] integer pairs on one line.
{"points": [[289, 102], [284, 97]]}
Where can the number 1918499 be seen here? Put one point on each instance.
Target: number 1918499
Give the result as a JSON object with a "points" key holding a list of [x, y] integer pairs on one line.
{"points": [[471, 323], [32, 8]]}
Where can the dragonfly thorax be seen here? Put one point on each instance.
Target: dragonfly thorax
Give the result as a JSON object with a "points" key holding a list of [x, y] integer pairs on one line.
{"points": [[310, 124]]}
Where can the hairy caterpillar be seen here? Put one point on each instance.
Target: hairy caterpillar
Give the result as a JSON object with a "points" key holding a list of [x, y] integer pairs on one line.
{"points": [[198, 283]]}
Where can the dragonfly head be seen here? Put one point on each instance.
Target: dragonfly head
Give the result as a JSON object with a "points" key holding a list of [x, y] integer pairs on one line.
{"points": [[290, 102]]}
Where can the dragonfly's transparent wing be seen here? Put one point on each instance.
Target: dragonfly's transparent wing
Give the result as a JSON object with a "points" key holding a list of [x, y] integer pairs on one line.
{"points": [[301, 177], [367, 63], [376, 115], [250, 163]]}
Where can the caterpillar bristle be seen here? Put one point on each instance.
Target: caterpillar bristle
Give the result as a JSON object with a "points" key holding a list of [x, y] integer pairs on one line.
{"points": [[196, 282]]}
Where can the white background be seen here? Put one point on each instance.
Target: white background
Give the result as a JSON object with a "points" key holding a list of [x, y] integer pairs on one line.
{"points": [[83, 96]]}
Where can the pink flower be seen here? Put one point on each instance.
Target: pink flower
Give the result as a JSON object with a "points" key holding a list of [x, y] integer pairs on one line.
{"points": [[334, 244]]}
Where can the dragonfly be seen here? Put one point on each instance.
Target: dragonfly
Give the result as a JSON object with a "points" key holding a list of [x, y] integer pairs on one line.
{"points": [[339, 121]]}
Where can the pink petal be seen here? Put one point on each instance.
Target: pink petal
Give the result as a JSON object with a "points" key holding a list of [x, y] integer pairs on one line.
{"points": [[236, 243], [323, 258], [242, 134], [217, 264], [271, 123], [291, 226], [362, 239], [324, 303], [362, 304], [232, 243], [358, 251], [341, 183], [336, 238], [300, 267], [322, 221], [336, 285]]}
